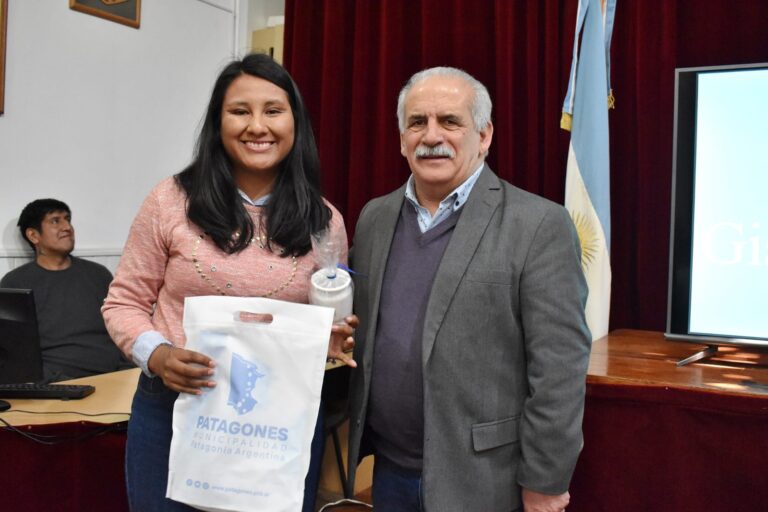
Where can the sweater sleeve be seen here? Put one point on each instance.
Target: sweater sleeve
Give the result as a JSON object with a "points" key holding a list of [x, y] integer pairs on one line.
{"points": [[132, 295]]}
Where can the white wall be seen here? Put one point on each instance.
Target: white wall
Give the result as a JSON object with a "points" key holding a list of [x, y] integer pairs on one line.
{"points": [[96, 112]]}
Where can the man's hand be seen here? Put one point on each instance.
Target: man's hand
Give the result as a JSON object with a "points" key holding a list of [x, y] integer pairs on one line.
{"points": [[537, 502], [182, 370], [342, 341]]}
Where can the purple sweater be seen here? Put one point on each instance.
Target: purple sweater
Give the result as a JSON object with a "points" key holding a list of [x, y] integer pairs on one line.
{"points": [[396, 407]]}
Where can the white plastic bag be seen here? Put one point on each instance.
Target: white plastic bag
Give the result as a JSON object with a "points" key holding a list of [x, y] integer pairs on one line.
{"points": [[245, 444]]}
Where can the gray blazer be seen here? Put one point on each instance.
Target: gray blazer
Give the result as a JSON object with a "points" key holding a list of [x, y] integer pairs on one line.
{"points": [[505, 348]]}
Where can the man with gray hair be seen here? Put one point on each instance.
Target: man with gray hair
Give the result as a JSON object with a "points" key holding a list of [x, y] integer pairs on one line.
{"points": [[472, 348]]}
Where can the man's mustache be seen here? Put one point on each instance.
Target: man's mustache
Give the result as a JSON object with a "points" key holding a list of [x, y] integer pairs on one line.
{"points": [[423, 151]]}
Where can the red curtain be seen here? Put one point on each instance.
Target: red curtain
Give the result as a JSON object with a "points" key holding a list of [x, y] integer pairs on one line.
{"points": [[350, 58]]}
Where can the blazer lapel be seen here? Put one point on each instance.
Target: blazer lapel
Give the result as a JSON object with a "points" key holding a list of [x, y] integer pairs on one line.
{"points": [[469, 230], [385, 222]]}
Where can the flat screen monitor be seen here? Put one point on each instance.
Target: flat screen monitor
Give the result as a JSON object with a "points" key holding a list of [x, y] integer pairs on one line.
{"points": [[20, 359], [718, 272]]}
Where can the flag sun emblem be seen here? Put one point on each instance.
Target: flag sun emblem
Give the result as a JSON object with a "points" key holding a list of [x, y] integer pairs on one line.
{"points": [[588, 238]]}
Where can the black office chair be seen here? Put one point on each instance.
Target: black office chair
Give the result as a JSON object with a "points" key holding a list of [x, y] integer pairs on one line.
{"points": [[335, 394], [335, 416]]}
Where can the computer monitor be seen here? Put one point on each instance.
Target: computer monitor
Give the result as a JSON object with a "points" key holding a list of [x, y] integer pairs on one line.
{"points": [[718, 272], [20, 358]]}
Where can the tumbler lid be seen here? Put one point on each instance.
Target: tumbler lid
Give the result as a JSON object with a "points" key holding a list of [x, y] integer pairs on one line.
{"points": [[321, 281]]}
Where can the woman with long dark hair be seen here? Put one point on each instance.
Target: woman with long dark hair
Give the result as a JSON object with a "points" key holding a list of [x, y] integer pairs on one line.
{"points": [[237, 221]]}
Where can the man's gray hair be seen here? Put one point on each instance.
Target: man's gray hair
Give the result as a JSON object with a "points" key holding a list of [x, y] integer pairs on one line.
{"points": [[480, 106]]}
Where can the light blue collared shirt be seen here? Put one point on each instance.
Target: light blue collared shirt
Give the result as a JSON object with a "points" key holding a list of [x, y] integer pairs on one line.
{"points": [[262, 201], [148, 341], [450, 204]]}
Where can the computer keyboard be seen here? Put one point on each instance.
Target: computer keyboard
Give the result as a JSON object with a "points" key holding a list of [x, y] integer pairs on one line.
{"points": [[60, 391]]}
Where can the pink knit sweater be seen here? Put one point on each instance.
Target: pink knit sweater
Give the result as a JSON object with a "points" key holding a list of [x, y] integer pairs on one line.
{"points": [[167, 258]]}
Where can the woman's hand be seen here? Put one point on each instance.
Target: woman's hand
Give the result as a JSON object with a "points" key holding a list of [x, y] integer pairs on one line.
{"points": [[182, 370], [342, 341]]}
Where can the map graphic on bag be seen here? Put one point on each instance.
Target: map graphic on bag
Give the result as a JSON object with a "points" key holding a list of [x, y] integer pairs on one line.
{"points": [[243, 378], [245, 444]]}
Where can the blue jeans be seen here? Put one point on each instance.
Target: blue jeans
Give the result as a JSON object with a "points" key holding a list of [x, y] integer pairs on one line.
{"points": [[149, 444], [395, 489]]}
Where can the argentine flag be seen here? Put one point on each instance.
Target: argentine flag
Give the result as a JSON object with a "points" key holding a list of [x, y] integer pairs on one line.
{"points": [[587, 182]]}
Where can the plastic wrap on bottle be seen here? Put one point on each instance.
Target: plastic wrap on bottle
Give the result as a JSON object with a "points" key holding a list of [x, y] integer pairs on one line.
{"points": [[330, 286]]}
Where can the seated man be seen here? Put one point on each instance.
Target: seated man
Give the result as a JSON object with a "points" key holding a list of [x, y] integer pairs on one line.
{"points": [[68, 294]]}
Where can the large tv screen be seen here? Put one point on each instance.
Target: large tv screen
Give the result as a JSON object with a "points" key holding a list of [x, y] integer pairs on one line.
{"points": [[718, 277]]}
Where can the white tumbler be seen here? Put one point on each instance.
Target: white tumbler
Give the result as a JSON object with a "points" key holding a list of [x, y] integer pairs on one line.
{"points": [[333, 289]]}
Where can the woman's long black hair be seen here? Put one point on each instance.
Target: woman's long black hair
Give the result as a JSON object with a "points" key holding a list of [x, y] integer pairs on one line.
{"points": [[295, 209]]}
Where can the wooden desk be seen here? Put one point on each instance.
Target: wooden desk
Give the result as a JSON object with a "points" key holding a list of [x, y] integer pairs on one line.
{"points": [[658, 437], [68, 455], [114, 394], [645, 358], [110, 403], [84, 472]]}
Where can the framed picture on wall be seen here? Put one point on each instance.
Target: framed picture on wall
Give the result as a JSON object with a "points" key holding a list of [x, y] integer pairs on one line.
{"points": [[127, 12], [3, 30]]}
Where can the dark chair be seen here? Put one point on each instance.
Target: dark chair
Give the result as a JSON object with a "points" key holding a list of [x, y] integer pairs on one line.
{"points": [[335, 416]]}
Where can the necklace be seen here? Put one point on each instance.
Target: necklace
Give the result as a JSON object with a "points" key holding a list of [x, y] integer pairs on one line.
{"points": [[261, 240]]}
